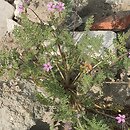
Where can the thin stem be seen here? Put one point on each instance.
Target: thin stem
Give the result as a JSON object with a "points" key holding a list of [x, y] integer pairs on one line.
{"points": [[77, 77], [56, 64], [80, 124], [60, 72], [105, 114], [116, 82], [62, 55], [67, 77], [80, 73], [36, 15]]}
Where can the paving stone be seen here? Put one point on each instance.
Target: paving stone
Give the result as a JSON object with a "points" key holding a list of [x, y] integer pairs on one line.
{"points": [[108, 37]]}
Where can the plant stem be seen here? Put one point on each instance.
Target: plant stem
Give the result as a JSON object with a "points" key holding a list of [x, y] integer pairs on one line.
{"points": [[36, 15], [60, 72], [80, 124]]}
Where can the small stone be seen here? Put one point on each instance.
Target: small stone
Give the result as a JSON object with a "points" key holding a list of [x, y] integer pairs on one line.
{"points": [[11, 119], [6, 11], [116, 22], [11, 25]]}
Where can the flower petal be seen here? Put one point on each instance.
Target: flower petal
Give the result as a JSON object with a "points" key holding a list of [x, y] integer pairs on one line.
{"points": [[47, 69], [123, 116], [123, 120], [119, 121], [45, 65], [62, 4], [119, 115]]}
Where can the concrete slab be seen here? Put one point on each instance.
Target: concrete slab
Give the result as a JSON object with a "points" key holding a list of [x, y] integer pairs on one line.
{"points": [[108, 37]]}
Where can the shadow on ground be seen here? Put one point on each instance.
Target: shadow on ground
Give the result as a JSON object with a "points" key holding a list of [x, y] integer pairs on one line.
{"points": [[99, 9], [112, 92], [119, 92], [40, 125]]}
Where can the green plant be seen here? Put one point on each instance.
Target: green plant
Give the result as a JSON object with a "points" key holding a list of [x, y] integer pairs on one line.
{"points": [[96, 125], [48, 55]]}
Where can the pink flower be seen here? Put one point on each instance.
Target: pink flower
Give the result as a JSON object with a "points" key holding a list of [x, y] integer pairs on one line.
{"points": [[120, 118], [60, 6], [21, 8], [129, 55], [47, 67], [51, 6]]}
